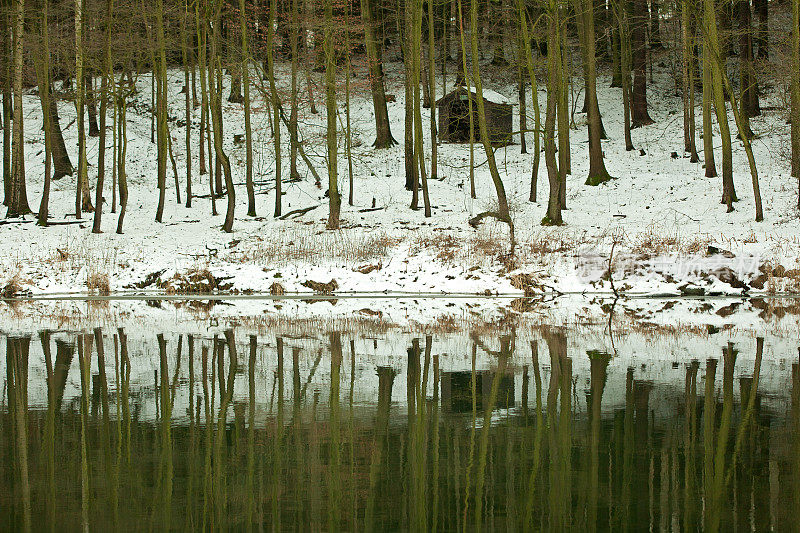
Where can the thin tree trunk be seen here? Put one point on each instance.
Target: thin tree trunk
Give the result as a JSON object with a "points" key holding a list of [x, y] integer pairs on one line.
{"points": [[470, 109], [621, 9], [416, 70], [216, 116], [122, 135], [554, 77], [716, 62], [502, 214], [43, 75], [101, 156], [248, 131], [687, 34], [82, 200], [293, 104], [640, 116], [276, 104], [160, 66], [537, 126], [335, 201], [432, 93], [187, 100]]}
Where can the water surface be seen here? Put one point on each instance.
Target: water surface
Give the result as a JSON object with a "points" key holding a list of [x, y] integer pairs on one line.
{"points": [[120, 426]]}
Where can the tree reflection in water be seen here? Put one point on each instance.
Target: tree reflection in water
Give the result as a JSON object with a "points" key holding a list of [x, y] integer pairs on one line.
{"points": [[315, 434]]}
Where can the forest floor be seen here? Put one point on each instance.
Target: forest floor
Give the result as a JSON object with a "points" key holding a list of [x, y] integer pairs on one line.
{"points": [[661, 217]]}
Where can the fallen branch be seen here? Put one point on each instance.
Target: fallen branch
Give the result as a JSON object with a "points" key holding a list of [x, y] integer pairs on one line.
{"points": [[298, 212]]}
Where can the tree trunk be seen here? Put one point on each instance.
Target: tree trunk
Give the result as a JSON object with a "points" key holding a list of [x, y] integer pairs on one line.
{"points": [[432, 92], [411, 166], [528, 57], [276, 104], [42, 62], [688, 69], [187, 100], [655, 26], [621, 11], [749, 83], [597, 168], [640, 116], [716, 62], [416, 71], [553, 216], [502, 214], [82, 200], [122, 177], [160, 66], [335, 201], [62, 166], [91, 102], [107, 75], [215, 89], [708, 129], [762, 32], [293, 104], [5, 65], [795, 91]]}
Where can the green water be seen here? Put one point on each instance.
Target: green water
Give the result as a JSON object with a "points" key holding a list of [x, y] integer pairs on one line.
{"points": [[131, 429]]}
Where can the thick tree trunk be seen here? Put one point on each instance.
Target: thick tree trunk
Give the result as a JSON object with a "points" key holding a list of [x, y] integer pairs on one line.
{"points": [[62, 166], [5, 73], [795, 88], [708, 129], [597, 168], [749, 83], [762, 32], [91, 104], [19, 195], [655, 26], [639, 116]]}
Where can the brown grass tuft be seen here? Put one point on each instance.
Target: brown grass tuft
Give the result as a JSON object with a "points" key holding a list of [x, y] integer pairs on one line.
{"points": [[98, 281]]}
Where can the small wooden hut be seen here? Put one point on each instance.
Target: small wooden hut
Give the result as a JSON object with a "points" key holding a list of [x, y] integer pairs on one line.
{"points": [[453, 109]]}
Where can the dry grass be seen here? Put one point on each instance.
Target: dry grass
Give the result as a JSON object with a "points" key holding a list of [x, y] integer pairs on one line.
{"points": [[650, 243], [302, 245], [12, 287], [98, 282]]}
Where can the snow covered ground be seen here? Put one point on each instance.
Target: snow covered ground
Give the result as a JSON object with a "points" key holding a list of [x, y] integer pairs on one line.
{"points": [[662, 212]]}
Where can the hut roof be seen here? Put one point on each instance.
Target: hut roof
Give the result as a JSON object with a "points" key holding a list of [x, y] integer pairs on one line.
{"points": [[488, 95]]}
